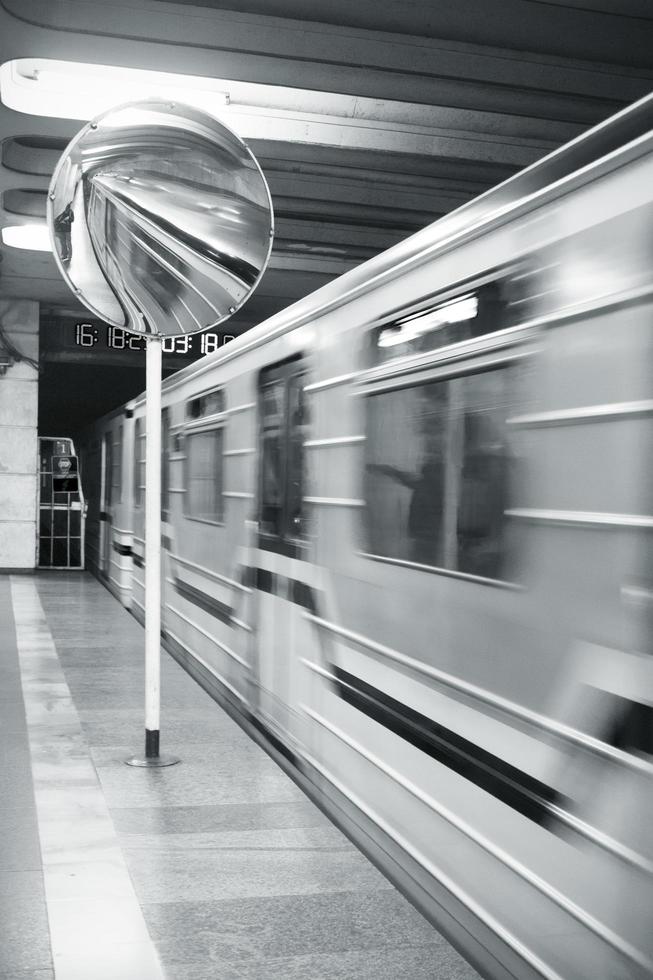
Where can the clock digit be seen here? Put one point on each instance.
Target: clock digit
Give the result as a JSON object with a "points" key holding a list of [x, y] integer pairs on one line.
{"points": [[116, 338], [85, 334], [210, 343]]}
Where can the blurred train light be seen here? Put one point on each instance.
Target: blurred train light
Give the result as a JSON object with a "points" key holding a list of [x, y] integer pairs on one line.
{"points": [[33, 237], [461, 309]]}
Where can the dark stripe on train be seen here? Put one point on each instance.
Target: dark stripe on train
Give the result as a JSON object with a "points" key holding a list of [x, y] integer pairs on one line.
{"points": [[247, 576], [517, 789], [292, 589], [280, 546], [256, 578], [138, 560], [303, 595], [278, 744], [631, 726], [122, 549], [221, 610], [266, 581]]}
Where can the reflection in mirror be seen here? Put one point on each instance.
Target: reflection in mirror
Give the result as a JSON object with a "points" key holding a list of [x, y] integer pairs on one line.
{"points": [[160, 218]]}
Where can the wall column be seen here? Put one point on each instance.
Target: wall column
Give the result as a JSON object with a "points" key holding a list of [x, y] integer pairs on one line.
{"points": [[19, 319]]}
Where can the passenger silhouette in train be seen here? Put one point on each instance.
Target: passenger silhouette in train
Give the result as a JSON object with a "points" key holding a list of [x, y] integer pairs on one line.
{"points": [[62, 224], [424, 524], [485, 476]]}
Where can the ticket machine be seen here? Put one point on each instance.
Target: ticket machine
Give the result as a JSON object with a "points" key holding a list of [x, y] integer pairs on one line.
{"points": [[62, 510]]}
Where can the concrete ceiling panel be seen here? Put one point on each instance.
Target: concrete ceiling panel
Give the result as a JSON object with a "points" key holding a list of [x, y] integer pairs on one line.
{"points": [[370, 119]]}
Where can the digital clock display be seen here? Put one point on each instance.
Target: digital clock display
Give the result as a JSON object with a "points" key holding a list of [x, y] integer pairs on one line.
{"points": [[115, 338]]}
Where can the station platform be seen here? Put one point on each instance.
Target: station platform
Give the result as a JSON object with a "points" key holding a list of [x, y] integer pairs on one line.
{"points": [[218, 868]]}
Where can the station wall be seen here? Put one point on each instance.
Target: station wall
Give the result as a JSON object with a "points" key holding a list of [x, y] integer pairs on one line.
{"points": [[19, 320]]}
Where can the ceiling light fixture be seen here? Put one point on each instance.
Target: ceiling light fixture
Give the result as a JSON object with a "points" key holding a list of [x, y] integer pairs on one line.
{"points": [[71, 90], [254, 110], [34, 237]]}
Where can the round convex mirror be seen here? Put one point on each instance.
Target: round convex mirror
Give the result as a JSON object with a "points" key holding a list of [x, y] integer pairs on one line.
{"points": [[160, 219]]}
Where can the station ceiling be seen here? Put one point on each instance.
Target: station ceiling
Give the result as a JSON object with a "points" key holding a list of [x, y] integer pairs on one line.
{"points": [[370, 118]]}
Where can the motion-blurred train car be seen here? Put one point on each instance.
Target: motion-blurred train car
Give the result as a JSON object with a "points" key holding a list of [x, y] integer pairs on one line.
{"points": [[407, 533]]}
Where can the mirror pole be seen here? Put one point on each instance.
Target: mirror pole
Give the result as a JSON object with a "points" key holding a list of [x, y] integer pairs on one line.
{"points": [[153, 364], [152, 546]]}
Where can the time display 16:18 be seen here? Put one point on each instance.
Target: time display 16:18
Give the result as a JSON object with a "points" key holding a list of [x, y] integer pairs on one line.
{"points": [[87, 335]]}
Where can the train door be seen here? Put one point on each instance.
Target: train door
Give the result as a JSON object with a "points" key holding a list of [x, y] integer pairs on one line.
{"points": [[106, 481], [281, 537]]}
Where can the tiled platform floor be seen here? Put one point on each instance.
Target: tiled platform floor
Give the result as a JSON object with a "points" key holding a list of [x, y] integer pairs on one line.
{"points": [[215, 869]]}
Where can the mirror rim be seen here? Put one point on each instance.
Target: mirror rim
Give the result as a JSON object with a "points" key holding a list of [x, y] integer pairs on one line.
{"points": [[92, 125]]}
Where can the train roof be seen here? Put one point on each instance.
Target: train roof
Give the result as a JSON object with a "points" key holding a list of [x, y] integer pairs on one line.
{"points": [[626, 127]]}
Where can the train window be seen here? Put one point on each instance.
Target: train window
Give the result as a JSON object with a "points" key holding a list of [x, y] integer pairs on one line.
{"points": [[210, 403], [204, 444], [482, 309], [272, 463], [283, 429], [297, 425], [139, 462], [204, 475], [439, 468]]}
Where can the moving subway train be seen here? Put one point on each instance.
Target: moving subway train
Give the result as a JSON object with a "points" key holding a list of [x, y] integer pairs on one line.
{"points": [[407, 543]]}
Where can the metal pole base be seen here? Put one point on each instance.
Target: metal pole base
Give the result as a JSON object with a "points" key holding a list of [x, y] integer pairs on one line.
{"points": [[152, 759], [155, 763]]}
